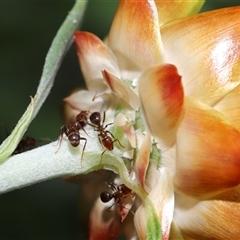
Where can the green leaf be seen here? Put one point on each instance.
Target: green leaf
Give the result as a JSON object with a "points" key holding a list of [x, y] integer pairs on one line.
{"points": [[55, 55], [9, 145]]}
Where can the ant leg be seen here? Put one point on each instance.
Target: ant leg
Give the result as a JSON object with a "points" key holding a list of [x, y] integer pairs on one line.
{"points": [[104, 115], [112, 185], [101, 157], [84, 131], [111, 207], [62, 130], [99, 139], [94, 97], [121, 205], [107, 125], [116, 140], [83, 148]]}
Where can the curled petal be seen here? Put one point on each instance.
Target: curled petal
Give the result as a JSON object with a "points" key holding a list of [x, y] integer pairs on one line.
{"points": [[175, 232], [129, 131], [171, 9], [212, 219], [161, 93], [120, 89], [69, 113], [136, 39], [85, 100], [209, 62], [208, 152], [162, 196], [230, 106], [142, 160], [94, 56]]}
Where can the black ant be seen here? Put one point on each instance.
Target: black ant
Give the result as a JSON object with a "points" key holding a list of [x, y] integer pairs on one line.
{"points": [[24, 145], [72, 131], [103, 136], [119, 192]]}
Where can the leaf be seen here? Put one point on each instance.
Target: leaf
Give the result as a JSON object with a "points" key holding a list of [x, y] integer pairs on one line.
{"points": [[10, 144], [55, 55]]}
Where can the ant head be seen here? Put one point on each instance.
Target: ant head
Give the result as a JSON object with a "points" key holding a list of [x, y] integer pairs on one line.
{"points": [[95, 118], [74, 139], [106, 197]]}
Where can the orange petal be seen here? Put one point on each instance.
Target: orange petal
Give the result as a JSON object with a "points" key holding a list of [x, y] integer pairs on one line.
{"points": [[230, 106], [208, 219], [172, 9], [208, 152], [134, 36], [161, 94], [120, 89], [206, 50], [94, 56]]}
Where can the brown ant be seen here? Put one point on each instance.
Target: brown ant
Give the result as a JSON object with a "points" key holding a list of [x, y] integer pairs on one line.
{"points": [[103, 136], [72, 131], [82, 119], [119, 192]]}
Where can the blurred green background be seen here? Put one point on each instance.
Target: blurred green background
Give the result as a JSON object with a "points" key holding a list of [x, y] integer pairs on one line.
{"points": [[47, 210]]}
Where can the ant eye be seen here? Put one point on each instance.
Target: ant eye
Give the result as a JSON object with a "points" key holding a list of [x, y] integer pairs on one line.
{"points": [[105, 197]]}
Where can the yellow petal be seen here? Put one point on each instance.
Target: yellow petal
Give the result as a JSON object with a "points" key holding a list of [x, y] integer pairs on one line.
{"points": [[94, 56], [134, 36], [212, 219], [206, 50], [230, 107], [174, 9], [208, 152], [161, 93]]}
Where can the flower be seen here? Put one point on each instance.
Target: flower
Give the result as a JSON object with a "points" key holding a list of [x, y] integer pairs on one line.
{"points": [[182, 75]]}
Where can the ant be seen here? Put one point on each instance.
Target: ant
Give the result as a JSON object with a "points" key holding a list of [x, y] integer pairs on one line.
{"points": [[119, 192], [103, 136], [24, 145], [72, 131], [81, 118]]}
